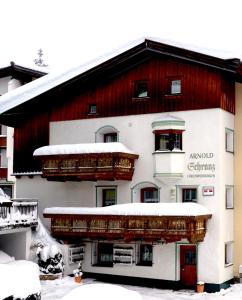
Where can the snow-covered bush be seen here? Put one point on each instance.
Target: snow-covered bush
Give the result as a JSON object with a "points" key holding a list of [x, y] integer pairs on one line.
{"points": [[45, 251], [50, 260]]}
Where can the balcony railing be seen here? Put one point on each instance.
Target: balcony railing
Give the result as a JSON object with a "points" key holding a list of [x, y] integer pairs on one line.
{"points": [[166, 229], [99, 166], [18, 213]]}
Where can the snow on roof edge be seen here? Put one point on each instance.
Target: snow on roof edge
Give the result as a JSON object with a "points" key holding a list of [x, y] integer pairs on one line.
{"points": [[51, 80]]}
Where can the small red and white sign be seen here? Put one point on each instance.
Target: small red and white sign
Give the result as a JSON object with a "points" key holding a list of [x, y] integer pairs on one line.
{"points": [[208, 191]]}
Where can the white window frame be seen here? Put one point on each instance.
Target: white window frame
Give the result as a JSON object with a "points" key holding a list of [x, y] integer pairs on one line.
{"points": [[229, 196], [228, 253], [180, 189], [138, 255], [229, 140], [175, 86], [99, 193]]}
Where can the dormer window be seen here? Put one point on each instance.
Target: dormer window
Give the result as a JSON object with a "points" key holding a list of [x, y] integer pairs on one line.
{"points": [[141, 89]]}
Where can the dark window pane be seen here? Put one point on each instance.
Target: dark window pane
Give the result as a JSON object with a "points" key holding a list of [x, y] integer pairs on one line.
{"points": [[141, 90], [109, 197], [146, 255], [110, 137]]}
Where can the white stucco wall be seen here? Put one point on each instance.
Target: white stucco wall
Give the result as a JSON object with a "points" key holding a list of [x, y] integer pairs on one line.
{"points": [[4, 85], [204, 134]]}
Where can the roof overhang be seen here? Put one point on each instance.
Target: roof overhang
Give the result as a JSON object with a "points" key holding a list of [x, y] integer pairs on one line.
{"points": [[16, 103]]}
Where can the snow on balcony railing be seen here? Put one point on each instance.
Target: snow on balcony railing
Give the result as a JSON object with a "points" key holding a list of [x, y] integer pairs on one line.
{"points": [[18, 213]]}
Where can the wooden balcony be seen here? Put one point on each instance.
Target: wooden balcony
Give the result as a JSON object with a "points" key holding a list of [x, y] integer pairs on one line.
{"points": [[166, 229], [90, 162], [18, 213]]}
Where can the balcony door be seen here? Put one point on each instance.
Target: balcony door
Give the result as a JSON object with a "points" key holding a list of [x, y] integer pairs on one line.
{"points": [[188, 265]]}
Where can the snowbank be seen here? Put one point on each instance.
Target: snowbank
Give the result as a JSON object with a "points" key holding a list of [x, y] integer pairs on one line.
{"points": [[19, 279], [136, 209], [102, 292]]}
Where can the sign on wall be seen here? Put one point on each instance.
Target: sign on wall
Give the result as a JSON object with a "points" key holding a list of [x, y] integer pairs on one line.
{"points": [[208, 191]]}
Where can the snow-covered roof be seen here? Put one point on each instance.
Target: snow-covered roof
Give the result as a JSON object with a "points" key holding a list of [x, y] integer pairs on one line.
{"points": [[135, 209], [82, 149], [37, 87]]}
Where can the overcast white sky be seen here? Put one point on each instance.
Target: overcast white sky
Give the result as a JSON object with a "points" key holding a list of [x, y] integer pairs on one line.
{"points": [[75, 31]]}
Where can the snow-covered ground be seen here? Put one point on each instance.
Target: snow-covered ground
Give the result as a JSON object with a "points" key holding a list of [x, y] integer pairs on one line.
{"points": [[57, 289]]}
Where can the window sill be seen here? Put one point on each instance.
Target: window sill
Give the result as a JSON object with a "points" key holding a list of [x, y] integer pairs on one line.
{"points": [[173, 96], [103, 265], [92, 115], [177, 151], [144, 265], [228, 265], [140, 99]]}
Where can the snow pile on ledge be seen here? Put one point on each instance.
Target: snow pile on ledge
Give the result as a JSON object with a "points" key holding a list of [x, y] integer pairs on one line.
{"points": [[136, 209], [82, 149], [19, 279], [102, 291]]}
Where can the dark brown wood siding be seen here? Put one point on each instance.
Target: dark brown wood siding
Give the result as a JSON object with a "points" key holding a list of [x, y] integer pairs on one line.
{"points": [[33, 134], [202, 87]]}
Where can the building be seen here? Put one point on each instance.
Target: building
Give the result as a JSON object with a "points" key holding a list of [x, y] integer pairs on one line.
{"points": [[17, 216], [150, 127], [12, 76]]}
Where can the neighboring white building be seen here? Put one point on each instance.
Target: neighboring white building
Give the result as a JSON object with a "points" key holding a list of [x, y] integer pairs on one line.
{"points": [[171, 110], [16, 215]]}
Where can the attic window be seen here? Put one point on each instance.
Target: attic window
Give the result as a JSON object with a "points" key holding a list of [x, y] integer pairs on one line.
{"points": [[173, 85], [92, 109], [140, 89]]}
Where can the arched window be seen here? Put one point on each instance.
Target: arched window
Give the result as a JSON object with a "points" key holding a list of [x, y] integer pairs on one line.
{"points": [[107, 134], [146, 192]]}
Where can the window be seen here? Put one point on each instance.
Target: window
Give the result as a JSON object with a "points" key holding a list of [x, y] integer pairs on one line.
{"points": [[105, 254], [140, 89], [107, 134], [189, 195], [92, 109], [168, 141], [109, 197], [3, 158], [7, 189], [3, 130], [110, 137], [229, 197], [229, 253], [175, 87], [149, 195], [145, 255], [229, 140]]}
